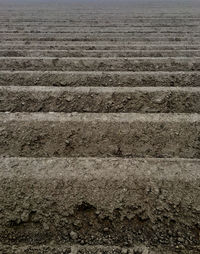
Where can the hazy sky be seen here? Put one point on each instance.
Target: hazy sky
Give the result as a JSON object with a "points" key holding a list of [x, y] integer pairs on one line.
{"points": [[71, 1], [189, 3]]}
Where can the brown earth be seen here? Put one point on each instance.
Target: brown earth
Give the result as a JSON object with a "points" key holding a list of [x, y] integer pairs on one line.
{"points": [[100, 128]]}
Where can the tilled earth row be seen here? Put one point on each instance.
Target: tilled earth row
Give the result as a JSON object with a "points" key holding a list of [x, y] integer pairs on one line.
{"points": [[99, 53], [100, 63], [18, 47], [100, 79]]}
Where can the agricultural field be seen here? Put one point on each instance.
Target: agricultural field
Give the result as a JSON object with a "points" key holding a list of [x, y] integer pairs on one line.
{"points": [[100, 127]]}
